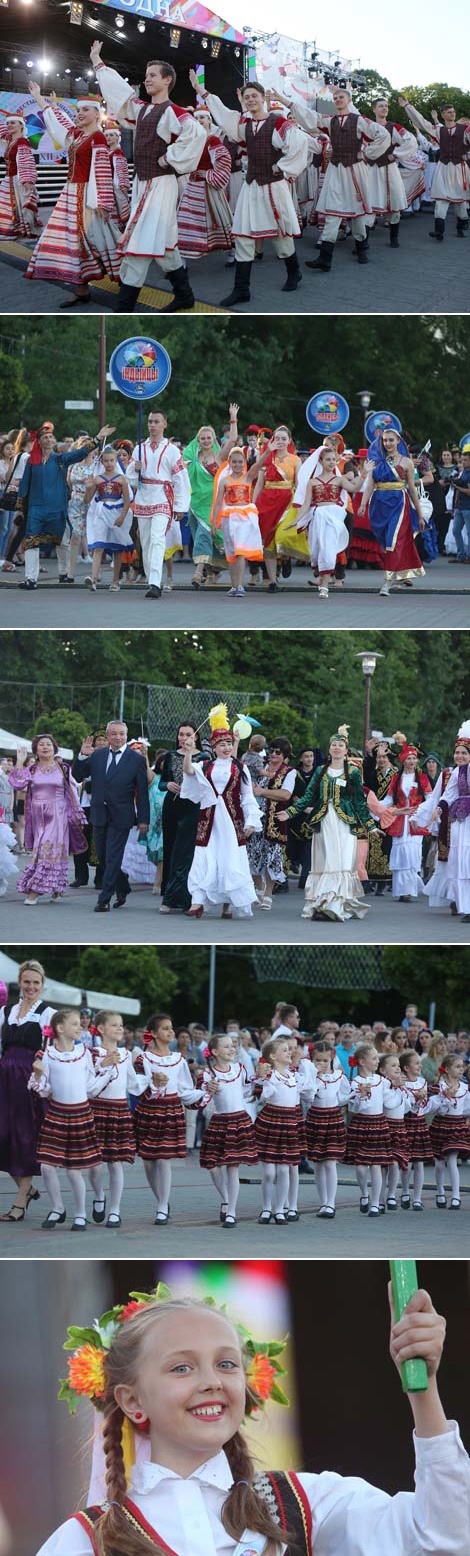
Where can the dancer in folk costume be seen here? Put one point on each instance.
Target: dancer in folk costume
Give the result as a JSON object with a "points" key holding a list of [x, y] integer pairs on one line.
{"points": [[162, 494], [387, 194], [109, 517], [337, 817], [396, 1104], [276, 150], [168, 143], [8, 843], [368, 1140], [451, 184], [276, 471], [325, 1127], [114, 1128], [235, 515], [18, 194], [345, 192], [159, 1116], [220, 872], [203, 457], [120, 171], [450, 801], [391, 493], [204, 215], [64, 1076], [407, 789], [229, 1138], [279, 1129], [418, 1142], [450, 1129], [79, 243], [267, 850], [323, 513]]}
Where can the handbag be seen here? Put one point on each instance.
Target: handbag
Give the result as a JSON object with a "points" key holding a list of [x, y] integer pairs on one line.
{"points": [[425, 503], [9, 500]]}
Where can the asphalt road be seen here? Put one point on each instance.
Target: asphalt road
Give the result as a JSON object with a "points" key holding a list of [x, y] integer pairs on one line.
{"points": [[440, 599], [194, 1229], [140, 923], [421, 277]]}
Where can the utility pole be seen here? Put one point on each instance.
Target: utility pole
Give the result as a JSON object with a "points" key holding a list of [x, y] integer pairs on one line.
{"points": [[212, 972], [102, 372]]}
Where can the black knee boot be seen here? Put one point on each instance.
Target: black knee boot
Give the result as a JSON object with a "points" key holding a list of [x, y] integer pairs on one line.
{"points": [[241, 290], [439, 229], [360, 247], [294, 273], [461, 226], [127, 298], [394, 238], [324, 258], [184, 296]]}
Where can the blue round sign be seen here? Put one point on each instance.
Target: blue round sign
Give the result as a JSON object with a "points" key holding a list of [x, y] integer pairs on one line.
{"points": [[327, 411], [140, 368], [464, 440], [379, 422]]}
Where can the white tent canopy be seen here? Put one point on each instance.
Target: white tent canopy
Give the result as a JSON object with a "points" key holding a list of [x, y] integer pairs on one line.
{"points": [[10, 742], [65, 994]]}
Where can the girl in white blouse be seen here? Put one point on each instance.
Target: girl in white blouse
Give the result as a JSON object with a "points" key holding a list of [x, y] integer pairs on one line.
{"points": [[114, 1126], [230, 1137], [279, 1129], [64, 1075], [325, 1127], [450, 1128]]}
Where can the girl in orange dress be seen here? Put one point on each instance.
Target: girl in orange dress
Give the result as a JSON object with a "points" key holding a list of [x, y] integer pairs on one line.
{"points": [[234, 512]]}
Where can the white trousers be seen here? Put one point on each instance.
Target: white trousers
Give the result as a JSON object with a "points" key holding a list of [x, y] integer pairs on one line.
{"points": [[332, 226], [152, 536], [392, 217], [32, 559], [245, 247], [134, 269], [441, 208]]}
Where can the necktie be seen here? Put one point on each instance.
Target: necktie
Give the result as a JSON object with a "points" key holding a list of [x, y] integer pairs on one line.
{"points": [[111, 766]]}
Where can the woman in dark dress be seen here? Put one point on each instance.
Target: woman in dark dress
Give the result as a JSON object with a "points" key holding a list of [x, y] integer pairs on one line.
{"points": [[179, 827], [21, 1113]]}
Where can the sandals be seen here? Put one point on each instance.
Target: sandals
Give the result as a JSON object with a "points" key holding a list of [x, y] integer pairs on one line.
{"points": [[9, 1215], [32, 1194]]}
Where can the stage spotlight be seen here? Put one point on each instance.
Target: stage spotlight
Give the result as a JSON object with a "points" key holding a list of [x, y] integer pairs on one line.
{"points": [[44, 65], [76, 13], [68, 72], [120, 22], [204, 44], [4, 2], [140, 26], [29, 64], [7, 67], [215, 48], [175, 35], [237, 51]]}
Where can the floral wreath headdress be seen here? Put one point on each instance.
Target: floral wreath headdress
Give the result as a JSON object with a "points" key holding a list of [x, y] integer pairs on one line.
{"points": [[86, 1367]]}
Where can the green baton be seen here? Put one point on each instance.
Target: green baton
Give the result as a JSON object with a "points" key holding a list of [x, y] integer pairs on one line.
{"points": [[414, 1374]]}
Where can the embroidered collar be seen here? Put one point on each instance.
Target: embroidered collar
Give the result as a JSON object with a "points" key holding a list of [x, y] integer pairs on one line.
{"points": [[215, 1472]]}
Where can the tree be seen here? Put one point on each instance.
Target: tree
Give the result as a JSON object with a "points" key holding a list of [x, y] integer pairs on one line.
{"points": [[280, 718], [138, 972], [69, 729]]}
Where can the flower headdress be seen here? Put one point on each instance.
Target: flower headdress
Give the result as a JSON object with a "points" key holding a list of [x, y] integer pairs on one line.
{"points": [[86, 1368]]}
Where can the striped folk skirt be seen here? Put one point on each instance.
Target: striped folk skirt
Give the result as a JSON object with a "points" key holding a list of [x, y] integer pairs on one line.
{"points": [[228, 1140], [326, 1135], [67, 1137], [77, 245], [278, 1136], [398, 1142], [114, 1130], [450, 1134], [418, 1142], [368, 1141], [204, 220], [160, 1128]]}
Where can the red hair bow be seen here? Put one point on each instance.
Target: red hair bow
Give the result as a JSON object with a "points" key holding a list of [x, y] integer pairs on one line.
{"points": [[148, 1037], [352, 1061], [207, 1053], [93, 1030], [442, 1069], [333, 1053], [48, 1033]]}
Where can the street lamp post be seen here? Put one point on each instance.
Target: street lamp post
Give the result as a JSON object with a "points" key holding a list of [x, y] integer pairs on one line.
{"points": [[102, 372], [365, 401], [368, 662]]}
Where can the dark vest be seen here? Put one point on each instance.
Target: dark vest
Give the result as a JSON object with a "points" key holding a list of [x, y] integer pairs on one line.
{"points": [[27, 1035], [262, 158], [345, 145], [149, 145], [452, 146], [387, 156], [283, 1495], [236, 151]]}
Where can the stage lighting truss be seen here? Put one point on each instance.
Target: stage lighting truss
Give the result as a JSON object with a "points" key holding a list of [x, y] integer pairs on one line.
{"points": [[175, 35], [76, 13], [216, 46]]}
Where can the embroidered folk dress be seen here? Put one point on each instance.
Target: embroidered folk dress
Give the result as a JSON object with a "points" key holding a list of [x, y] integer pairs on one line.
{"points": [[204, 215], [450, 881], [220, 871], [80, 240], [333, 886], [105, 507], [238, 518], [327, 533], [18, 196], [54, 820], [391, 520]]}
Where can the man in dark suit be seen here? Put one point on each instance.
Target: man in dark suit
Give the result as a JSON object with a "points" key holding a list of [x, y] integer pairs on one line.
{"points": [[119, 799]]}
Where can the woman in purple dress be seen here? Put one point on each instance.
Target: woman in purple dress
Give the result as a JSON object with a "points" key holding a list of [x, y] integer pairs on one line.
{"points": [[21, 1111], [53, 817]]}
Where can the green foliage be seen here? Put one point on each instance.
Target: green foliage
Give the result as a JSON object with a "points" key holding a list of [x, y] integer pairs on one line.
{"points": [[280, 718], [69, 729], [14, 393], [138, 972]]}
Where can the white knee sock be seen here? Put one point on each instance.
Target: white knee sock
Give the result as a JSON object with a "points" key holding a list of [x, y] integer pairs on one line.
{"points": [[293, 1188], [282, 1188], [96, 1176], [375, 1184], [233, 1189], [116, 1185], [454, 1176], [320, 1181], [50, 1178], [440, 1171], [163, 1185], [405, 1181], [331, 1183], [78, 1187], [392, 1180], [418, 1180], [150, 1169], [362, 1175], [219, 1179], [267, 1184]]}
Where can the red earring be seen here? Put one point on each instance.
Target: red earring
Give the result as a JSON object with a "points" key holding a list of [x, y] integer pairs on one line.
{"points": [[139, 1415]]}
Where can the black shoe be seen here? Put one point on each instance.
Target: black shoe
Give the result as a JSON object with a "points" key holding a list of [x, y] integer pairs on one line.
{"points": [[394, 238], [183, 295], [324, 258], [127, 298], [79, 1224], [55, 1218], [306, 1167], [62, 578], [120, 901], [99, 1215], [286, 568], [272, 588], [361, 251], [154, 593], [294, 273], [113, 1221], [101, 907], [364, 1207], [461, 227], [162, 1217], [76, 302], [28, 583], [439, 229], [241, 289]]}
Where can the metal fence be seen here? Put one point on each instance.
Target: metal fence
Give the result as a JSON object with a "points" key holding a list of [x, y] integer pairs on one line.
{"points": [[156, 709], [321, 967], [169, 706]]}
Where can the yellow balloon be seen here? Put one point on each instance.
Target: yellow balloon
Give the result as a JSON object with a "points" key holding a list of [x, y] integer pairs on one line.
{"points": [[242, 728]]}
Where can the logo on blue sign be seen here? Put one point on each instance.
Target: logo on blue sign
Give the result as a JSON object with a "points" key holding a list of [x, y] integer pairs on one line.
{"points": [[140, 368], [380, 421], [327, 411]]}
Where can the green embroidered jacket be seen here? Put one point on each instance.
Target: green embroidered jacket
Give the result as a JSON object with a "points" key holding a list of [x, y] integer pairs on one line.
{"points": [[324, 790]]}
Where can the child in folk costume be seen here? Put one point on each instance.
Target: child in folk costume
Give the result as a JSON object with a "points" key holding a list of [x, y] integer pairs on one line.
{"points": [[276, 472], [172, 1468], [396, 1104], [323, 515], [109, 518], [113, 1121], [64, 1075], [235, 514], [280, 1135], [8, 868], [159, 1116], [79, 243], [368, 1142], [407, 790], [419, 1146], [120, 171], [230, 1137], [450, 1129], [229, 813], [204, 215], [18, 195], [325, 1127]]}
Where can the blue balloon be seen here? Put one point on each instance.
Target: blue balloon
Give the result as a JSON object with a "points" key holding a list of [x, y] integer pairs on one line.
{"points": [[140, 368], [327, 412], [378, 422]]}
